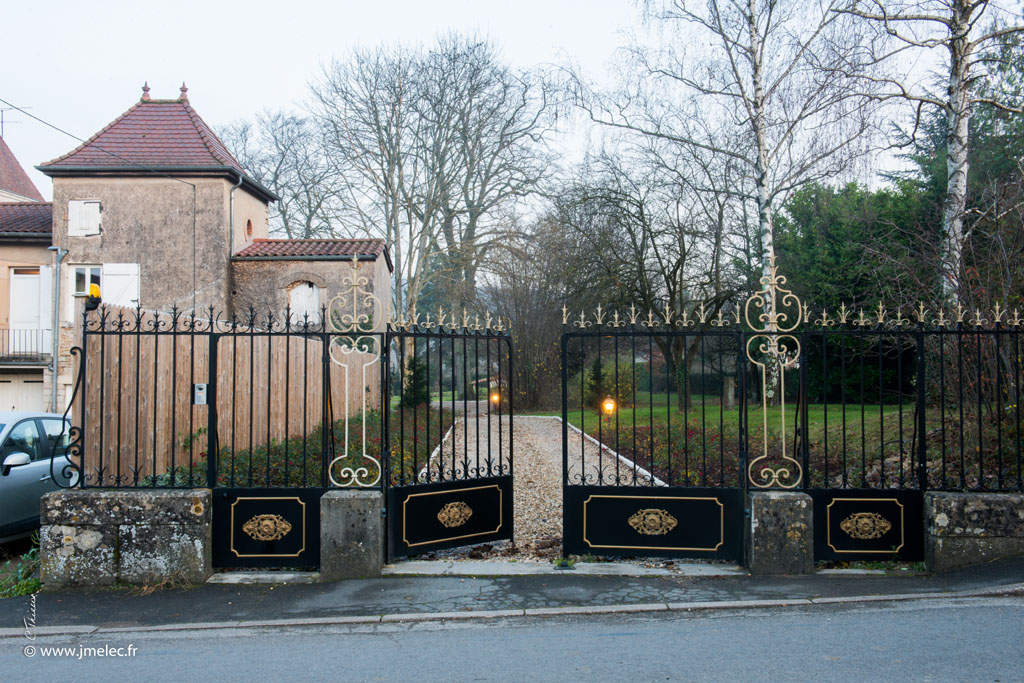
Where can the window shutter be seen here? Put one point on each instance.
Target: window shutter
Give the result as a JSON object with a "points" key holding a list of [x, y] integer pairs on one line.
{"points": [[45, 297], [83, 217], [119, 284]]}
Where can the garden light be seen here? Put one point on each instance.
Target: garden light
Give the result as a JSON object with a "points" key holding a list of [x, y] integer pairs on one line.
{"points": [[608, 406], [495, 397]]}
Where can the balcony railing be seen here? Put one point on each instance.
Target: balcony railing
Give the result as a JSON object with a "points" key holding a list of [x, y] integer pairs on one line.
{"points": [[32, 345]]}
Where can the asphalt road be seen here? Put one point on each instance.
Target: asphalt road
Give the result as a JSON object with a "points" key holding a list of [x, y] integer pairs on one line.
{"points": [[978, 639]]}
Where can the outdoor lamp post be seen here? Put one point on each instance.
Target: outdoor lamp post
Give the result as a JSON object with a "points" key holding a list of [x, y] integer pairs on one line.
{"points": [[608, 405], [495, 397]]}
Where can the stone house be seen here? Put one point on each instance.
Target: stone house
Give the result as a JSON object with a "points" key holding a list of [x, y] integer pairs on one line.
{"points": [[157, 211], [26, 308]]}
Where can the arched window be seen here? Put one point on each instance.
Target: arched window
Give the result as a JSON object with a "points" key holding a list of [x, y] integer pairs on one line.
{"points": [[304, 299], [248, 230]]}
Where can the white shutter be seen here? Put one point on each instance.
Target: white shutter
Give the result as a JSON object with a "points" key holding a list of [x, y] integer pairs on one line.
{"points": [[46, 308], [45, 297], [83, 218], [119, 284]]}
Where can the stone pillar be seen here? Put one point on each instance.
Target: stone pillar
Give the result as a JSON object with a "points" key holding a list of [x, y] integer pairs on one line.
{"points": [[351, 534], [780, 536], [970, 528], [97, 537]]}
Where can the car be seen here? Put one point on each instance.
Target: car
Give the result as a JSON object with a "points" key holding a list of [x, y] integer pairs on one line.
{"points": [[33, 453]]}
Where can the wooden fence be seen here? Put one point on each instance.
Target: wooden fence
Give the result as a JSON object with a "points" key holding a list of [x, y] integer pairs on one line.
{"points": [[139, 415]]}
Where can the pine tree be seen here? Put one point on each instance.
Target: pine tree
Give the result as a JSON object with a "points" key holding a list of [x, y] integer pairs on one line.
{"points": [[417, 389], [597, 388]]}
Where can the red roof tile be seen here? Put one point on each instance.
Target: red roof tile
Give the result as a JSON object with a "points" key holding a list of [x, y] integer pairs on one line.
{"points": [[29, 218], [13, 177], [304, 249], [152, 133]]}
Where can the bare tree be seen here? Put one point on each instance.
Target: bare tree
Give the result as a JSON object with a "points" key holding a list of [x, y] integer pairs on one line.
{"points": [[660, 240], [971, 52], [754, 82], [434, 146], [365, 106], [285, 153], [500, 122]]}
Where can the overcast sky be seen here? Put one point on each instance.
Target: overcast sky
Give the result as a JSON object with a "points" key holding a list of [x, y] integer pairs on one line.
{"points": [[79, 64]]}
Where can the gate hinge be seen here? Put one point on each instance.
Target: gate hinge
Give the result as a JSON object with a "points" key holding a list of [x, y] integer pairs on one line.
{"points": [[383, 512]]}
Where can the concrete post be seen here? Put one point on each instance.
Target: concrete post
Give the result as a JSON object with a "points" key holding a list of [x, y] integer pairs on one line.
{"points": [[351, 534], [780, 536]]}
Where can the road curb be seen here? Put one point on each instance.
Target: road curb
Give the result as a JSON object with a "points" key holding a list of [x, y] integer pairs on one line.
{"points": [[575, 610]]}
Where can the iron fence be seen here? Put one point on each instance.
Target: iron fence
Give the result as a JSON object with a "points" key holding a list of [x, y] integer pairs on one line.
{"points": [[180, 400], [24, 345], [867, 403], [451, 404]]}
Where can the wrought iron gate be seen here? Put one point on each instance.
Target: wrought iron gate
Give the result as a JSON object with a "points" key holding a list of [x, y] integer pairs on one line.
{"points": [[634, 485], [449, 433], [671, 417]]}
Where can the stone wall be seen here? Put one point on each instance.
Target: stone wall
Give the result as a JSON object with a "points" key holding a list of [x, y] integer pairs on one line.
{"points": [[98, 537], [969, 528], [265, 284]]}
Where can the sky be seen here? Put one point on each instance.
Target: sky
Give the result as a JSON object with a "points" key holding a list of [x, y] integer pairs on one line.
{"points": [[80, 65]]}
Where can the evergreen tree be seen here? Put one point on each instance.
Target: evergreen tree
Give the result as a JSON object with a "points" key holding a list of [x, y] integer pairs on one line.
{"points": [[597, 385], [417, 389]]}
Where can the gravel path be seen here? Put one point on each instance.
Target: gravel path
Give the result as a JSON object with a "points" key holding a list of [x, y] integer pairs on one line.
{"points": [[537, 481]]}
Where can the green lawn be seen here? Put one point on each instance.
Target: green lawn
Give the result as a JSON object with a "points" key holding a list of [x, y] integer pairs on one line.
{"points": [[873, 445]]}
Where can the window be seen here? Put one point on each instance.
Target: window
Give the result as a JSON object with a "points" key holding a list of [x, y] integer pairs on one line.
{"points": [[248, 229], [118, 282], [24, 438], [58, 436], [84, 217], [85, 276]]}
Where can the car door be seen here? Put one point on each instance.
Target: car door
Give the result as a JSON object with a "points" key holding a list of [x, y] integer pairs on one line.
{"points": [[21, 489], [56, 440]]}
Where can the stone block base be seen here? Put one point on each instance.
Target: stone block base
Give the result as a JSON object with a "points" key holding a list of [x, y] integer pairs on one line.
{"points": [[780, 535], [351, 535], [962, 529], [97, 537]]}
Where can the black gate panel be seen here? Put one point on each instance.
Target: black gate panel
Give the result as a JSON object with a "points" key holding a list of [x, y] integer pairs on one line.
{"points": [[266, 527], [449, 514], [670, 522], [852, 524]]}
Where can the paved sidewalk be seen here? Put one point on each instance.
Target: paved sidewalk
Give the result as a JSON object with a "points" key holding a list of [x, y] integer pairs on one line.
{"points": [[407, 598]]}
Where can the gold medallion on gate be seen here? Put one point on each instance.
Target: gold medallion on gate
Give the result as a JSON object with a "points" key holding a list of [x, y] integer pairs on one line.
{"points": [[865, 525], [454, 514], [653, 522], [267, 527]]}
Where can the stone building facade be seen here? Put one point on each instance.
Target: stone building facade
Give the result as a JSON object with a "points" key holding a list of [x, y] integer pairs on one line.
{"points": [[158, 212]]}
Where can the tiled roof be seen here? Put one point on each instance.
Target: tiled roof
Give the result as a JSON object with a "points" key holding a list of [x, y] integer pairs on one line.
{"points": [[306, 249], [28, 218], [13, 177], [154, 133]]}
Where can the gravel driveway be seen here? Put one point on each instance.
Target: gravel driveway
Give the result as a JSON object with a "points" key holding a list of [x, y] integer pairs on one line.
{"points": [[537, 482]]}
